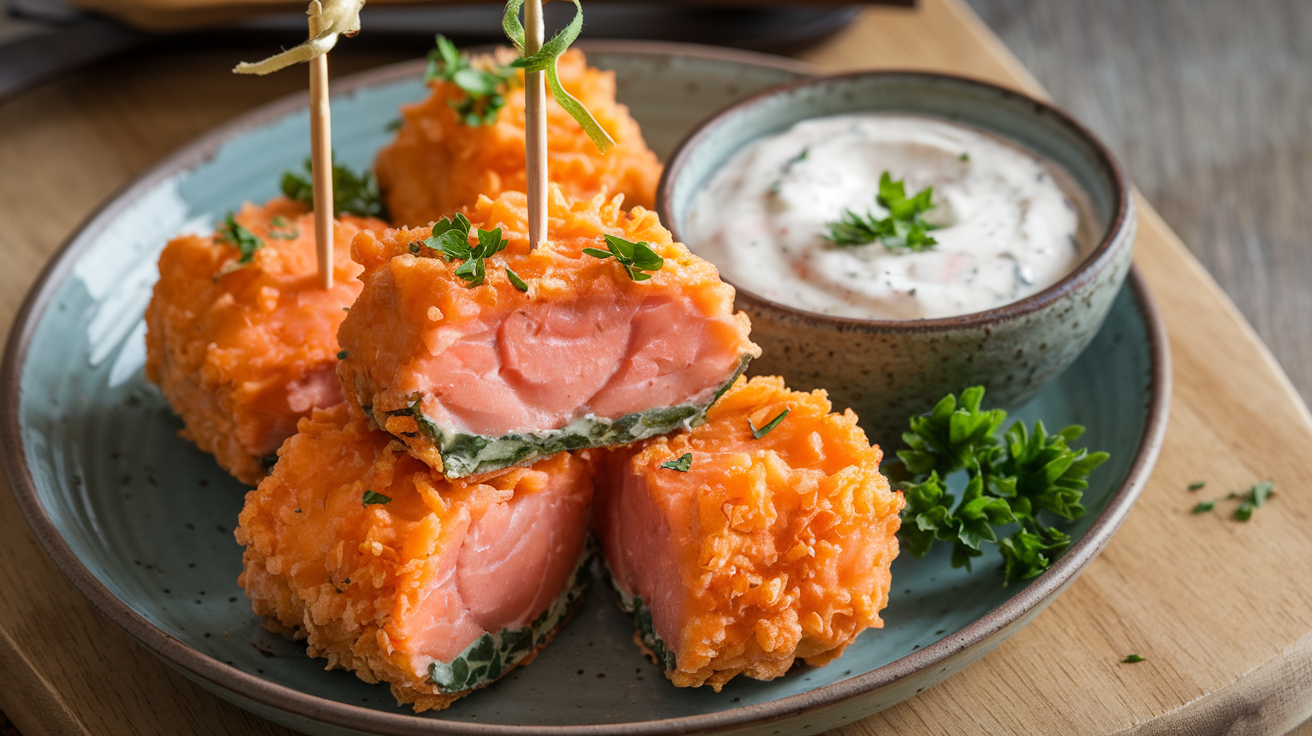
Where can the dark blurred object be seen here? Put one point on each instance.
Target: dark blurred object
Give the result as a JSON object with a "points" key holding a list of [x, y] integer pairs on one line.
{"points": [[60, 37]]}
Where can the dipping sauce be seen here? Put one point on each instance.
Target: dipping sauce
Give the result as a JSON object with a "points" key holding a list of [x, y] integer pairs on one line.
{"points": [[1008, 224]]}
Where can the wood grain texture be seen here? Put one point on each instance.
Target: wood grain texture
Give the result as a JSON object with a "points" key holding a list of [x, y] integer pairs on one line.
{"points": [[1222, 610]]}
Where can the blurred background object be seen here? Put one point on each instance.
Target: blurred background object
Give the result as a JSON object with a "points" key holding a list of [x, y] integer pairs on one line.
{"points": [[43, 38]]}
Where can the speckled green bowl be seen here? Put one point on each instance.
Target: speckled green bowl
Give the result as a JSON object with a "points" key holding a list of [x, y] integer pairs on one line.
{"points": [[887, 370]]}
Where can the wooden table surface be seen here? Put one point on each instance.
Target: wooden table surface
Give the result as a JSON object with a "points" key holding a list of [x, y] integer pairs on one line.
{"points": [[1222, 610]]}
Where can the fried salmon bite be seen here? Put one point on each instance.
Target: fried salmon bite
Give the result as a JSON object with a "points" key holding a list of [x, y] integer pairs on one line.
{"points": [[439, 164], [388, 570], [240, 337], [550, 350], [738, 553]]}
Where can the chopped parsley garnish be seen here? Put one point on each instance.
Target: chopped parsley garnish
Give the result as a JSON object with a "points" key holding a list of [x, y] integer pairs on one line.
{"points": [[1009, 481], [245, 241], [1132, 658], [342, 354], [355, 194], [902, 229], [374, 497], [1255, 496], [1197, 485], [682, 464], [281, 229], [451, 239], [483, 86], [515, 280], [635, 257], [545, 61], [769, 427]]}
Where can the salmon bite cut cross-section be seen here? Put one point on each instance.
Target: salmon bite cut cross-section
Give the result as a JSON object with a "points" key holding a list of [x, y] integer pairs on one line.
{"points": [[744, 544], [435, 586], [479, 377]]}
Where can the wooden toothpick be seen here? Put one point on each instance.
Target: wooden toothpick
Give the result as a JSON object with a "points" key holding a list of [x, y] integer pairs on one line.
{"points": [[321, 154], [535, 127]]}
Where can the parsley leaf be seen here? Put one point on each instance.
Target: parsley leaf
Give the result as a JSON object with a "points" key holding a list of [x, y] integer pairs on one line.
{"points": [[374, 497], [902, 229], [1009, 481], [515, 280], [769, 427], [281, 229], [635, 257], [683, 464], [245, 241], [1197, 485], [1132, 658], [451, 238], [483, 85], [355, 194], [1256, 496]]}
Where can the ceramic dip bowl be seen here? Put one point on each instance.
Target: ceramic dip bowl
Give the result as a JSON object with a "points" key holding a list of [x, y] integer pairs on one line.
{"points": [[888, 370]]}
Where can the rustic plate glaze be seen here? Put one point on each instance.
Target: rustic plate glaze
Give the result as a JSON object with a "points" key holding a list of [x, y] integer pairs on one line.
{"points": [[141, 522]]}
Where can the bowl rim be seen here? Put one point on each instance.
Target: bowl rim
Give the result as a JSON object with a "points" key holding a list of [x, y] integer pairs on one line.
{"points": [[1115, 237], [254, 689]]}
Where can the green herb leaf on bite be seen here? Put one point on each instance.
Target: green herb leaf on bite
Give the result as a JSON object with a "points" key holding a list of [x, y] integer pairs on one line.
{"points": [[354, 194], [281, 229], [902, 229], [245, 241], [484, 86], [451, 238], [545, 61], [682, 464], [374, 497], [515, 280], [769, 427], [634, 257], [342, 354]]}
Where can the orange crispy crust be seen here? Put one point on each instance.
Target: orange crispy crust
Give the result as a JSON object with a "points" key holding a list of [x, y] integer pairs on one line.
{"points": [[392, 323], [243, 355], [785, 542], [438, 165], [347, 577]]}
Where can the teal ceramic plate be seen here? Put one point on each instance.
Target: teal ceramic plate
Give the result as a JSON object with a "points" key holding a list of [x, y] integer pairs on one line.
{"points": [[142, 523]]}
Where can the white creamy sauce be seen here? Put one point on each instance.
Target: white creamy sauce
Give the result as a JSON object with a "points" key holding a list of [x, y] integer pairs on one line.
{"points": [[1008, 225]]}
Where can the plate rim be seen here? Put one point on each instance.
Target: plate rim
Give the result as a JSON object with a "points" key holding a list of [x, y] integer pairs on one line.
{"points": [[304, 705]]}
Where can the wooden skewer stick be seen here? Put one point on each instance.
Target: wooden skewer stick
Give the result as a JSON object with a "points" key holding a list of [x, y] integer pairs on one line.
{"points": [[535, 127], [321, 154]]}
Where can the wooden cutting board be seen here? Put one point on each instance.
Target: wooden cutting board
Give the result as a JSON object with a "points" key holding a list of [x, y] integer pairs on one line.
{"points": [[1222, 610]]}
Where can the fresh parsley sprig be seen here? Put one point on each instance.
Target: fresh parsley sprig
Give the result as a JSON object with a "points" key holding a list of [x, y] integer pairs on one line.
{"points": [[902, 229], [245, 241], [451, 238], [635, 257], [355, 194], [484, 86], [545, 61], [1009, 481]]}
